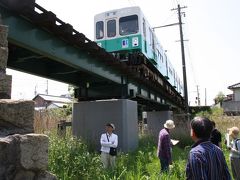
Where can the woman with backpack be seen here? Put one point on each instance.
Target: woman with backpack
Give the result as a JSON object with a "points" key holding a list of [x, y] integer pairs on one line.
{"points": [[235, 152]]}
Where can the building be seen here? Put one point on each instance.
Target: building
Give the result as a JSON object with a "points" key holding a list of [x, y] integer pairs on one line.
{"points": [[43, 101], [231, 105]]}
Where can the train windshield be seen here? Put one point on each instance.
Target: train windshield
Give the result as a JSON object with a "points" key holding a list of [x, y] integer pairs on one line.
{"points": [[128, 25], [99, 30], [111, 28]]}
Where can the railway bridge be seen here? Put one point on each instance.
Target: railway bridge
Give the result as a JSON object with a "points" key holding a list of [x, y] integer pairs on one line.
{"points": [[107, 89]]}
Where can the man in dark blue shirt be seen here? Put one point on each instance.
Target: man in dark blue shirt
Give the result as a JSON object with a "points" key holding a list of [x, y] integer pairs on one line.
{"points": [[206, 160]]}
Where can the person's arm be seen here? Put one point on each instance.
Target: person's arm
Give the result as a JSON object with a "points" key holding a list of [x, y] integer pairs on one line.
{"points": [[234, 151], [115, 142], [104, 142]]}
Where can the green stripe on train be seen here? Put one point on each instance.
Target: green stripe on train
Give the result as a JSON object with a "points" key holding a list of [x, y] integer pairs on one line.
{"points": [[121, 44], [127, 44]]}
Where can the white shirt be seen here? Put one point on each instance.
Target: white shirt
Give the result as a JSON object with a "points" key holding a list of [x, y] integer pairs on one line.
{"points": [[105, 145], [235, 152]]}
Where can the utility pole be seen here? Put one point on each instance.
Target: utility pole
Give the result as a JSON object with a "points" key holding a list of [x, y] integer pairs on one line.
{"points": [[47, 87], [183, 54], [205, 96], [198, 99], [183, 57]]}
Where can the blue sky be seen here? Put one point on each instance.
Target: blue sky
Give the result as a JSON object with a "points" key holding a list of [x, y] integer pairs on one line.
{"points": [[210, 26]]}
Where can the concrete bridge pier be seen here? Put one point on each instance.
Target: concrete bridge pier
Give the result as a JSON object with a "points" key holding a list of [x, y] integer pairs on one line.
{"points": [[156, 120], [90, 118]]}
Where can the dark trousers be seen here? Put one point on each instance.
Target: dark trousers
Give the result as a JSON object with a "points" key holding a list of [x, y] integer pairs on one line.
{"points": [[164, 164]]}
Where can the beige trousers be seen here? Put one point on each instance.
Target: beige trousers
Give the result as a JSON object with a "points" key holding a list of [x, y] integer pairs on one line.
{"points": [[108, 160]]}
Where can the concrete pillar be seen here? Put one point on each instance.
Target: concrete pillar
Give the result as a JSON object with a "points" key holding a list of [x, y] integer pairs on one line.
{"points": [[156, 120], [90, 118]]}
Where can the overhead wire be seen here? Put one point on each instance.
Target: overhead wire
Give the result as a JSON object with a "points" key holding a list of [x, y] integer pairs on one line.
{"points": [[187, 47]]}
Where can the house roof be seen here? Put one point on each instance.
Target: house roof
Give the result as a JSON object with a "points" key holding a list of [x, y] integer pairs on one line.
{"points": [[54, 98], [234, 86]]}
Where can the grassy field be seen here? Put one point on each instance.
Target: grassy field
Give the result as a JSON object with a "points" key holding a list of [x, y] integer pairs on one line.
{"points": [[71, 159]]}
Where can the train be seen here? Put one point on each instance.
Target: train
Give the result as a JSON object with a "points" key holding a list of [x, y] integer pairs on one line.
{"points": [[126, 33]]}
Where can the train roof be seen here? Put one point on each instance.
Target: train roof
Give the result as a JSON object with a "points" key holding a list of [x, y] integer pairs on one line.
{"points": [[126, 9]]}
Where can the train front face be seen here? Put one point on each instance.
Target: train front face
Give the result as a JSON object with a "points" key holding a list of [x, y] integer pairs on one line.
{"points": [[119, 30]]}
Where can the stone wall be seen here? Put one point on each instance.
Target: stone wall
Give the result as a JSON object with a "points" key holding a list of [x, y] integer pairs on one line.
{"points": [[23, 155], [5, 80]]}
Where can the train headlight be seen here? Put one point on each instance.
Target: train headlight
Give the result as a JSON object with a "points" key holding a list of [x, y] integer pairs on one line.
{"points": [[99, 44], [134, 41]]}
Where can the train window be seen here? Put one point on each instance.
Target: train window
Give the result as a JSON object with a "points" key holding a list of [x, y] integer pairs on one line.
{"points": [[158, 53], [144, 28], [170, 71], [128, 25], [99, 30], [153, 41], [161, 58], [111, 28]]}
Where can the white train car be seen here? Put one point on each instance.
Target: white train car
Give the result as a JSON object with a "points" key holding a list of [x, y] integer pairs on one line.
{"points": [[127, 32]]}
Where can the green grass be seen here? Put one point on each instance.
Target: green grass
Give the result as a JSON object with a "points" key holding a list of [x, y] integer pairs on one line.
{"points": [[69, 159], [72, 159]]}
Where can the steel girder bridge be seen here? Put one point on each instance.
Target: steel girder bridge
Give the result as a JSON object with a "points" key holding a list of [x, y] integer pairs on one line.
{"points": [[43, 45]]}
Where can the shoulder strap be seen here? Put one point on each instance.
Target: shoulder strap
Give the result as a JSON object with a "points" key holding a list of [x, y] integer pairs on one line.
{"points": [[236, 143], [107, 137]]}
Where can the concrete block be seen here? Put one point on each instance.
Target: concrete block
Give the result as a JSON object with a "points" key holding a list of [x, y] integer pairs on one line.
{"points": [[24, 157], [34, 151], [90, 118], [156, 120], [18, 114]]}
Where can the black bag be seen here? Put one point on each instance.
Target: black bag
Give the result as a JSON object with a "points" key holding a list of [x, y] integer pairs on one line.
{"points": [[113, 151]]}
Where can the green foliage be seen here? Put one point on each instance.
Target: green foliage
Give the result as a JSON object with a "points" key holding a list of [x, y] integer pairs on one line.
{"points": [[219, 98], [61, 113], [214, 112], [69, 159], [71, 90]]}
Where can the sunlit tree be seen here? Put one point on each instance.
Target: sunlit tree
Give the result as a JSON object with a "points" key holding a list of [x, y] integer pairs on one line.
{"points": [[219, 98]]}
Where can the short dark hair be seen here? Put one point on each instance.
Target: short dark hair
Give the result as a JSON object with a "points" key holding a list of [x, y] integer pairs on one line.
{"points": [[202, 127]]}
